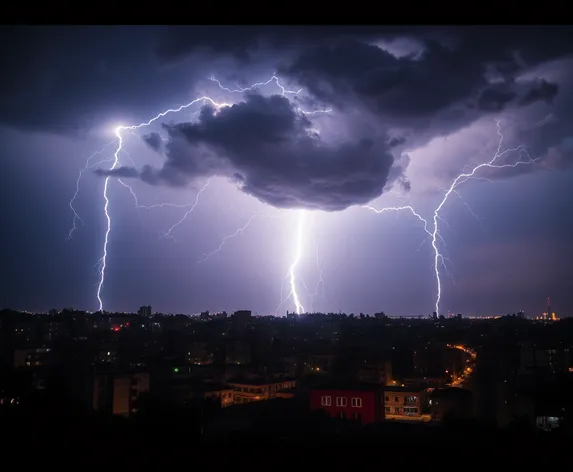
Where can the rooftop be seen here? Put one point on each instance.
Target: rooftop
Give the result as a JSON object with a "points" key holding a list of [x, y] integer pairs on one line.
{"points": [[395, 388], [347, 385], [258, 380], [451, 392]]}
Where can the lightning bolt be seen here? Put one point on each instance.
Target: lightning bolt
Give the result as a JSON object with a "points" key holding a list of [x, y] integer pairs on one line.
{"points": [[274, 79], [298, 251], [116, 162], [434, 232], [399, 209], [108, 219], [76, 218], [188, 212], [225, 239], [459, 180], [121, 138]]}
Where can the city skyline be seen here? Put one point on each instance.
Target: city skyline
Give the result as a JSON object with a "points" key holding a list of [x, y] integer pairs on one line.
{"points": [[279, 180]]}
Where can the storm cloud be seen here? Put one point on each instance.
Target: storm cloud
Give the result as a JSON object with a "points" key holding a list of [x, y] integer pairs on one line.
{"points": [[409, 85], [393, 90], [541, 90], [244, 43], [153, 140], [270, 151], [436, 91], [410, 108]]}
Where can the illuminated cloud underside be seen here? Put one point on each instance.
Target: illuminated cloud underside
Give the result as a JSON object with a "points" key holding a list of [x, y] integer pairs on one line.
{"points": [[299, 238]]}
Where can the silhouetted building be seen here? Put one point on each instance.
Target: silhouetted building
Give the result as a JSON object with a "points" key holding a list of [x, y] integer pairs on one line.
{"points": [[321, 363], [118, 393], [242, 315], [237, 352], [450, 404], [534, 358], [32, 358], [376, 372], [145, 311], [185, 389], [199, 354]]}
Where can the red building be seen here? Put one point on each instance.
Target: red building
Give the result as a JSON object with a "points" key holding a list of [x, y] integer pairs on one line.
{"points": [[362, 403]]}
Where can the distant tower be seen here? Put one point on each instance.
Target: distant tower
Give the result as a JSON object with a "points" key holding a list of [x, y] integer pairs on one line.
{"points": [[145, 311], [548, 308]]}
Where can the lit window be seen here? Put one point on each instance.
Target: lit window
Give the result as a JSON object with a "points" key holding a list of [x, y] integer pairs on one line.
{"points": [[341, 401], [357, 402], [326, 400]]}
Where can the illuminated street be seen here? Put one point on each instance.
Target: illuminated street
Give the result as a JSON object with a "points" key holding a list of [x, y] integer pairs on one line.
{"points": [[468, 369]]}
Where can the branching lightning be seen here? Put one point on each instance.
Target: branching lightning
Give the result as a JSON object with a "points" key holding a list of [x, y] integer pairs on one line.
{"points": [[108, 219], [298, 251], [274, 78], [434, 233], [225, 239], [116, 162], [460, 179], [88, 166], [120, 139], [402, 208], [188, 212]]}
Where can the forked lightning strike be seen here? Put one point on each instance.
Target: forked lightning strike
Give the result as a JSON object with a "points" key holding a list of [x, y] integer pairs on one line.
{"points": [[88, 166], [434, 233], [108, 219], [274, 79], [225, 239], [301, 218], [460, 179], [298, 251], [188, 212], [116, 163], [402, 208]]}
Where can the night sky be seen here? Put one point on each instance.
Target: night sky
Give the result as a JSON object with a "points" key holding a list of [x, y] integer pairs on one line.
{"points": [[355, 116]]}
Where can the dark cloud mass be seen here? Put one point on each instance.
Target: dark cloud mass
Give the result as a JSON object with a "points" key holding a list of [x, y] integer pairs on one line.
{"points": [[442, 85], [270, 151], [67, 80], [242, 43], [494, 100], [407, 85], [542, 90], [398, 109]]}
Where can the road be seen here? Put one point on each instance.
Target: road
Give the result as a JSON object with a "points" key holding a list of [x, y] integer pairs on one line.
{"points": [[469, 367]]}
